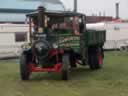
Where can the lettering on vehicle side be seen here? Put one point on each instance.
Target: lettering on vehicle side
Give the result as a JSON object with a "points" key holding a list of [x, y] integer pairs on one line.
{"points": [[69, 45], [67, 39]]}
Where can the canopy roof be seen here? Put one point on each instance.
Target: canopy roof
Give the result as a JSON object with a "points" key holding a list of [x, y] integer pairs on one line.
{"points": [[56, 13]]}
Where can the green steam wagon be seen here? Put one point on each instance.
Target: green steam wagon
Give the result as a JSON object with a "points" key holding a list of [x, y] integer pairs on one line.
{"points": [[58, 42]]}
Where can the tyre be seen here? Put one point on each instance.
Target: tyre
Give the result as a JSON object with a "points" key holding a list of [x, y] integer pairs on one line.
{"points": [[95, 59], [98, 58], [24, 68], [124, 49], [65, 67], [91, 61], [72, 61]]}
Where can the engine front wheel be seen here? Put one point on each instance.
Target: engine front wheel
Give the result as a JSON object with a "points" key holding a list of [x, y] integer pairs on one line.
{"points": [[24, 68]]}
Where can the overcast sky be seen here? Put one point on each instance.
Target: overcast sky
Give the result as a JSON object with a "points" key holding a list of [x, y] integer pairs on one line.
{"points": [[90, 7]]}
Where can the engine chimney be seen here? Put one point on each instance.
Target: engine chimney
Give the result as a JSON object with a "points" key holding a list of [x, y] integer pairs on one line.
{"points": [[117, 11]]}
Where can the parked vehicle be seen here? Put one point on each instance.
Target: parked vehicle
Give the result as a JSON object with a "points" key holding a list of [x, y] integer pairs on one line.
{"points": [[59, 42], [12, 36], [116, 34]]}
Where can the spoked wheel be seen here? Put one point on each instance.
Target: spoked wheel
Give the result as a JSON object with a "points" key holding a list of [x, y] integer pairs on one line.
{"points": [[24, 68], [65, 67]]}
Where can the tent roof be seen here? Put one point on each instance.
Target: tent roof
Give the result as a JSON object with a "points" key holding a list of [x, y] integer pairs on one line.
{"points": [[31, 4], [15, 10]]}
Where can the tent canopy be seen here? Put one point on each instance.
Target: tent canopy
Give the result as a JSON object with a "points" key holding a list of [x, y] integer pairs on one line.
{"points": [[10, 8], [47, 1], [32, 4]]}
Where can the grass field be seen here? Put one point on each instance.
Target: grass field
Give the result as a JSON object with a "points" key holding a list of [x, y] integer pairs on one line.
{"points": [[112, 80]]}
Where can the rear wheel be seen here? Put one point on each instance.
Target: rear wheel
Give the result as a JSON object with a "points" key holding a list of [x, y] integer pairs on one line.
{"points": [[91, 61], [65, 67], [99, 59], [95, 58], [24, 68], [72, 60]]}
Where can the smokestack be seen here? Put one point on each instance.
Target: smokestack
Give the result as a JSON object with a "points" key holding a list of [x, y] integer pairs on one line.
{"points": [[117, 11], [75, 5]]}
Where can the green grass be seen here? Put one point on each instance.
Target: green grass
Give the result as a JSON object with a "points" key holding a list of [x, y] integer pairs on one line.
{"points": [[112, 80]]}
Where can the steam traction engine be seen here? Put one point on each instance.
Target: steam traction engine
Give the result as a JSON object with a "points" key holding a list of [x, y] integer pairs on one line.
{"points": [[59, 41]]}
